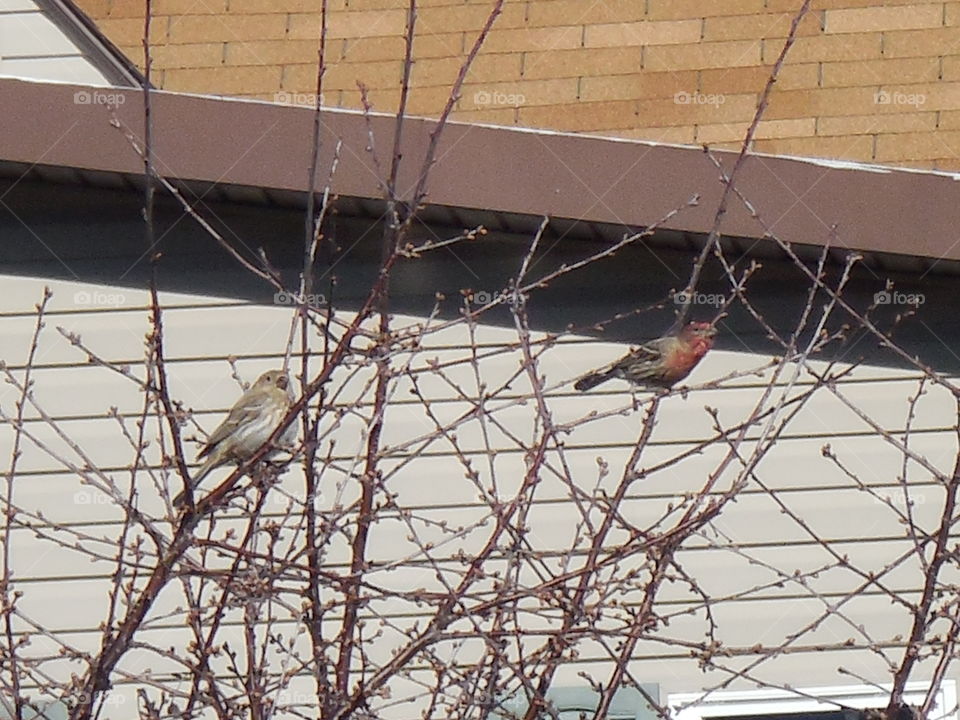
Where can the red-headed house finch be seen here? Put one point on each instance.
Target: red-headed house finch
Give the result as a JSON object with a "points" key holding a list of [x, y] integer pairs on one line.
{"points": [[659, 363], [250, 422]]}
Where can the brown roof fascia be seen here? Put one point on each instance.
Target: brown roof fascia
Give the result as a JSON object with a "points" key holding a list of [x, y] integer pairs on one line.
{"points": [[530, 172]]}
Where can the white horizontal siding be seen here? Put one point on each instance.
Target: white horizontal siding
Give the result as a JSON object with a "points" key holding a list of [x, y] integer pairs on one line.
{"points": [[746, 560], [32, 34], [33, 47]]}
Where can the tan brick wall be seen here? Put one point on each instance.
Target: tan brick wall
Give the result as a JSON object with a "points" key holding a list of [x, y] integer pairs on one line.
{"points": [[871, 80]]}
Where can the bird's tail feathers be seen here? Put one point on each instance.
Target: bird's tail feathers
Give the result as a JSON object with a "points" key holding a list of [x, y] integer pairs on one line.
{"points": [[180, 499], [204, 470], [588, 382]]}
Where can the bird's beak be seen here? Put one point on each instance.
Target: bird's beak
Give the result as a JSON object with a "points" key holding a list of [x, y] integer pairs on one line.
{"points": [[710, 331], [282, 382]]}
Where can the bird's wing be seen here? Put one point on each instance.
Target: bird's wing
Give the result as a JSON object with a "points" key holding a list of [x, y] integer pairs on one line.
{"points": [[649, 351], [248, 408]]}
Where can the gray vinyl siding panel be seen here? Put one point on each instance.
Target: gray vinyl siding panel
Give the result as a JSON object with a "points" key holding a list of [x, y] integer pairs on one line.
{"points": [[746, 559]]}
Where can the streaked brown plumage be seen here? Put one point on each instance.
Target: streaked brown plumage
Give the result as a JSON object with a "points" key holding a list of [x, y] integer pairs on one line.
{"points": [[659, 363], [248, 425]]}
